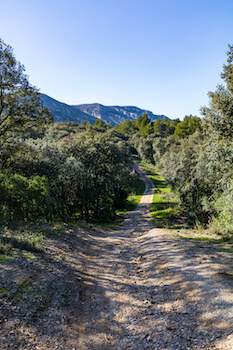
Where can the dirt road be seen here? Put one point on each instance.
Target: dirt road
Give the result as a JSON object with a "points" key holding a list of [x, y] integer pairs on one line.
{"points": [[132, 288], [146, 289]]}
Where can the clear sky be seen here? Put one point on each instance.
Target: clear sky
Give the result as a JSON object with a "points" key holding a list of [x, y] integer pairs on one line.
{"points": [[163, 56]]}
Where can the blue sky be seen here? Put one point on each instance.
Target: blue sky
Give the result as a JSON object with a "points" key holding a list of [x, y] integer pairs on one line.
{"points": [[163, 56]]}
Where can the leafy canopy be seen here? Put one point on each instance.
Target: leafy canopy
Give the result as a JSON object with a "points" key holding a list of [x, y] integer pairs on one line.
{"points": [[21, 109], [218, 117]]}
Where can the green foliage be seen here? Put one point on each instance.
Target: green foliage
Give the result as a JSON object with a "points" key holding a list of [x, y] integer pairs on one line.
{"points": [[58, 131], [131, 201], [66, 171], [218, 119], [127, 128], [101, 124], [165, 127], [144, 127], [88, 173], [165, 208], [187, 127], [224, 208], [145, 149], [198, 161], [70, 172], [181, 168], [22, 197], [227, 74], [104, 173], [21, 109]]}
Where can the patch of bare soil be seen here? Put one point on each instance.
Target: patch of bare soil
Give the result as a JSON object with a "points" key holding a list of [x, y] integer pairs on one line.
{"points": [[135, 287]]}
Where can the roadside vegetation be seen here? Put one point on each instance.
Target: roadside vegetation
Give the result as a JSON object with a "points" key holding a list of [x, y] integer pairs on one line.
{"points": [[134, 197], [55, 172], [195, 159], [195, 195], [168, 213], [166, 209], [65, 172]]}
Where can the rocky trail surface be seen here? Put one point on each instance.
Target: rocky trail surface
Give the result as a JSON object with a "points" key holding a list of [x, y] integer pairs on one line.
{"points": [[135, 287]]}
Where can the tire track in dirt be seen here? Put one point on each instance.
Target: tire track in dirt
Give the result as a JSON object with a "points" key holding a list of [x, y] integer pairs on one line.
{"points": [[146, 289]]}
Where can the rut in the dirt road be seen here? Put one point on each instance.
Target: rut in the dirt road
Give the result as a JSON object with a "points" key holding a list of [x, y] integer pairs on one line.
{"points": [[147, 290]]}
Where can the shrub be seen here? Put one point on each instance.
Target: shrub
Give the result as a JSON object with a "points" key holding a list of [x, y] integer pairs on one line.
{"points": [[22, 197]]}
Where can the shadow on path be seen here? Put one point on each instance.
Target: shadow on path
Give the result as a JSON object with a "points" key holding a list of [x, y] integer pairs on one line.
{"points": [[152, 291]]}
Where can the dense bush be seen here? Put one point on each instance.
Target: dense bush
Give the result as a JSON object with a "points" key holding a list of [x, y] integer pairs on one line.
{"points": [[22, 197], [89, 172]]}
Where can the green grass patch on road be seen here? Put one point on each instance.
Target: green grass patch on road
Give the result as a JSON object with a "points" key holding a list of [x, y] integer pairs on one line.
{"points": [[165, 209]]}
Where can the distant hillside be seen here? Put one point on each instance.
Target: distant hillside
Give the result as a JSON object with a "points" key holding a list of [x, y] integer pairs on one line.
{"points": [[115, 114], [63, 113], [91, 112]]}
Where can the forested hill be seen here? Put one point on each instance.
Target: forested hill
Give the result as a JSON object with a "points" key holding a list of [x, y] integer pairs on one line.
{"points": [[91, 112]]}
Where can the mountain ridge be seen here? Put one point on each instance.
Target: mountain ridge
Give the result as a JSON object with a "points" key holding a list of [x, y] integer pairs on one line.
{"points": [[91, 112], [63, 112]]}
